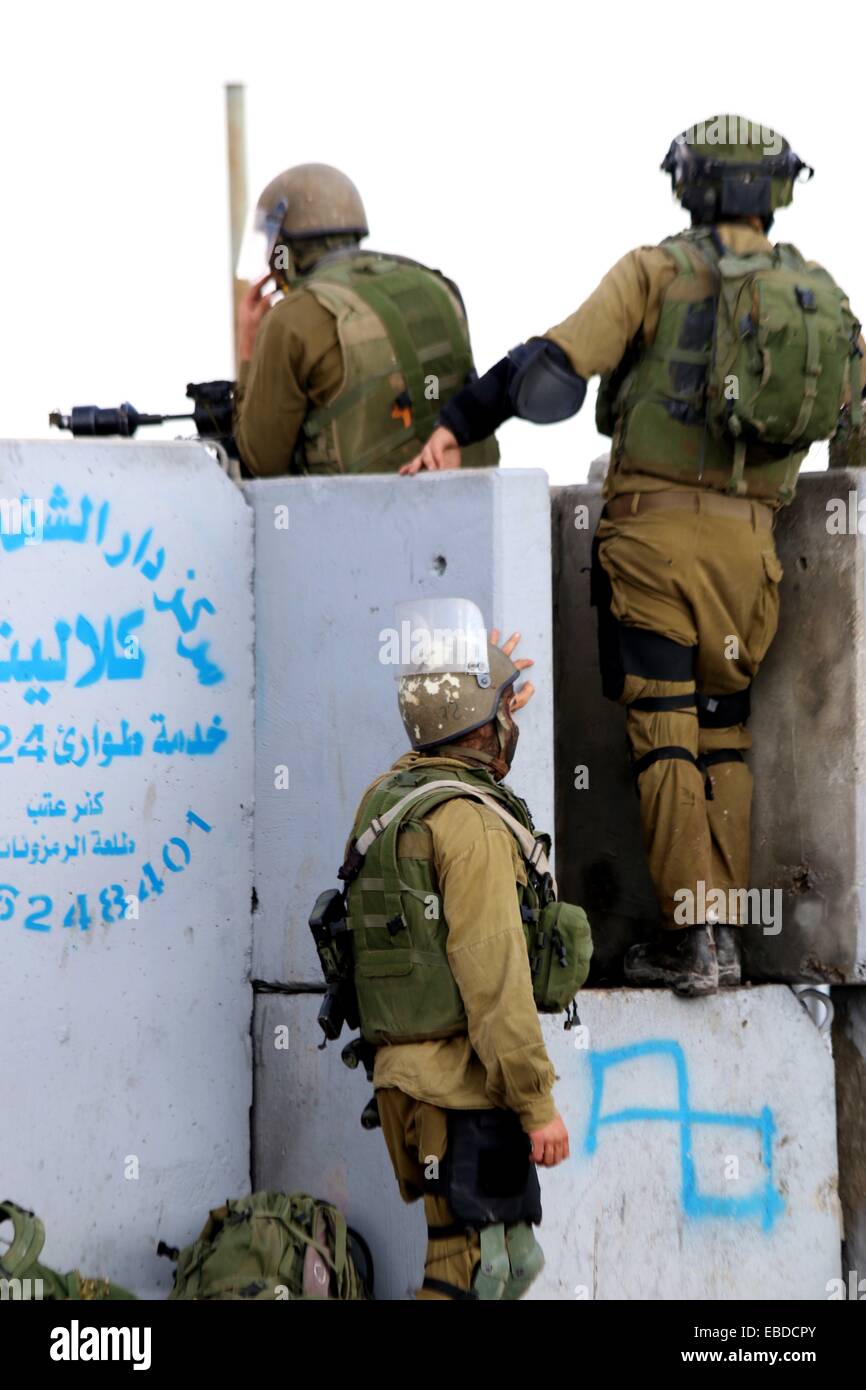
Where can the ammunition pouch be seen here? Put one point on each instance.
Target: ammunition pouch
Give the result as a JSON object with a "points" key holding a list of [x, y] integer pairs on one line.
{"points": [[486, 1176], [559, 955]]}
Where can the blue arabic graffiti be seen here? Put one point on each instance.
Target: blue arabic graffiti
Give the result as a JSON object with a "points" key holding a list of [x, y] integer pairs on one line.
{"points": [[765, 1202], [60, 526], [115, 900], [72, 746]]}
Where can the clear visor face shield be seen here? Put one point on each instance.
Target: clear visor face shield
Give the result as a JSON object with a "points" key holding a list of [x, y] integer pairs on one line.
{"points": [[435, 635], [260, 237]]}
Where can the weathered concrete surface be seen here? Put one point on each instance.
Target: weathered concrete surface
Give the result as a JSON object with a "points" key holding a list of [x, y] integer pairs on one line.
{"points": [[600, 861], [757, 1217], [808, 723], [849, 1052], [307, 1136], [125, 927], [326, 706], [755, 1213]]}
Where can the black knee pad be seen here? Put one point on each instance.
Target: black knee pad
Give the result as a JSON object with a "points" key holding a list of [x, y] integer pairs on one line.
{"points": [[720, 755], [635, 651], [722, 711]]}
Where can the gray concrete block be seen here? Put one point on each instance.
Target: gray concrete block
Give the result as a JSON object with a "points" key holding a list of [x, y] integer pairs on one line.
{"points": [[598, 836], [808, 726], [126, 1078], [307, 1137], [729, 1192], [326, 706], [849, 1053], [809, 833]]}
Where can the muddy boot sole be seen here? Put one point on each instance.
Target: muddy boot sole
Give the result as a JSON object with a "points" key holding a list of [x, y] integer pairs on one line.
{"points": [[695, 986], [641, 968]]}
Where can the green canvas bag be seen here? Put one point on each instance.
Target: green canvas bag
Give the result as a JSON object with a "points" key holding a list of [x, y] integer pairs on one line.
{"points": [[23, 1277], [273, 1246]]}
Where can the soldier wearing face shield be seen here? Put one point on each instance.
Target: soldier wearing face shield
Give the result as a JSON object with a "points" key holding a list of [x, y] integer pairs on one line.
{"points": [[346, 371], [457, 940]]}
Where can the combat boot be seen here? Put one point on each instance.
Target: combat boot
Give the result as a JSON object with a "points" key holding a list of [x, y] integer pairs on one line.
{"points": [[729, 954], [683, 960]]}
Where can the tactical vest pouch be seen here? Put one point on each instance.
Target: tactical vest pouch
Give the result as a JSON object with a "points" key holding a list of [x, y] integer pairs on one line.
{"points": [[487, 1176], [560, 949], [785, 346]]}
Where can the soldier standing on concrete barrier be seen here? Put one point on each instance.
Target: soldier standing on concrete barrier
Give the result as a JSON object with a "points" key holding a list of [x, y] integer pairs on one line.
{"points": [[448, 887], [346, 372], [722, 359]]}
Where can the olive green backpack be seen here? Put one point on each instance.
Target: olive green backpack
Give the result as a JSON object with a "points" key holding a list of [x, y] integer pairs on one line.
{"points": [[785, 348], [23, 1277], [746, 371], [270, 1246]]}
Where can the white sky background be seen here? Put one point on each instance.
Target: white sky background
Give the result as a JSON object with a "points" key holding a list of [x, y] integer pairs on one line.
{"points": [[514, 145]]}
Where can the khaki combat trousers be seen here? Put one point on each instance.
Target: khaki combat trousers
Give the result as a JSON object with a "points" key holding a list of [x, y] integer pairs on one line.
{"points": [[416, 1134], [708, 582]]}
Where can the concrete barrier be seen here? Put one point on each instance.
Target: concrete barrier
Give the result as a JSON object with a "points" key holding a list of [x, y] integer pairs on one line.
{"points": [[126, 752], [849, 1052], [808, 758], [333, 556], [697, 1169]]}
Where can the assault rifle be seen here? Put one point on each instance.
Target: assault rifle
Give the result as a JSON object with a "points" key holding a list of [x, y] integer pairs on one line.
{"points": [[212, 414]]}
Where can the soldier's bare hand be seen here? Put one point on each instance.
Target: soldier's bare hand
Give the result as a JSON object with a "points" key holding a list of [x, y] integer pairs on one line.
{"points": [[440, 452], [550, 1143], [521, 694], [251, 310]]}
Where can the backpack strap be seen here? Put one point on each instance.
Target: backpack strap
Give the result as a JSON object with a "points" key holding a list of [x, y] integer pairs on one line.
{"points": [[27, 1240], [534, 851], [813, 371], [316, 1277], [678, 252]]}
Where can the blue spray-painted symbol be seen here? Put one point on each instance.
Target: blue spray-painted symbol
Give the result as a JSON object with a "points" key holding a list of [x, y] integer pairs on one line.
{"points": [[765, 1203]]}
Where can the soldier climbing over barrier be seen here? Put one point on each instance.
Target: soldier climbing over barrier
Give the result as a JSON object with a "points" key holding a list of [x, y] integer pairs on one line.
{"points": [[722, 359]]}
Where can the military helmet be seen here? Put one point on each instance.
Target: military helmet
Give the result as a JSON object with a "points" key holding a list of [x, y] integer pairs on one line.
{"points": [[311, 200], [451, 680], [300, 204], [729, 166]]}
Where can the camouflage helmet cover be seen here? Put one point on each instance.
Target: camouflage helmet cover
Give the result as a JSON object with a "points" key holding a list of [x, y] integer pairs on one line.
{"points": [[442, 706], [451, 679]]}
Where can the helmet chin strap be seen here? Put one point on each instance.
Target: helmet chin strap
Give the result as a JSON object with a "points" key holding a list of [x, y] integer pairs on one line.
{"points": [[507, 734], [287, 273]]}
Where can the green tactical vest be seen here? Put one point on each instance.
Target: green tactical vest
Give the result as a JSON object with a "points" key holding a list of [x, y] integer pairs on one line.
{"points": [[403, 981], [769, 322], [406, 351]]}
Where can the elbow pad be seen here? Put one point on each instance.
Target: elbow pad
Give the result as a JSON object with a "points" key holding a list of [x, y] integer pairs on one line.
{"points": [[544, 387], [477, 410]]}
